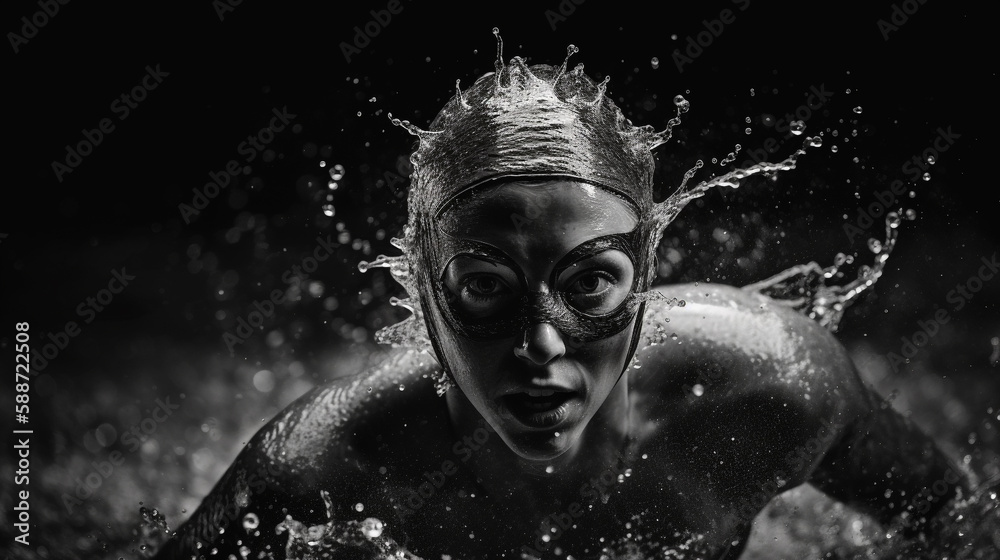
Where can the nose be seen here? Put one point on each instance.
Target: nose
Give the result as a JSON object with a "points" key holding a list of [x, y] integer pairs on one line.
{"points": [[542, 343]]}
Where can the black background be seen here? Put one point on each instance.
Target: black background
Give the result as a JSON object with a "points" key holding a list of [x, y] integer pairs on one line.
{"points": [[163, 334]]}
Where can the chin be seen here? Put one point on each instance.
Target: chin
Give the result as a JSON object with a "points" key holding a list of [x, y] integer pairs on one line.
{"points": [[540, 445]]}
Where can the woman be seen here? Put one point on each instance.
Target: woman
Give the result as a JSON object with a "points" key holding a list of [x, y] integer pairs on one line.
{"points": [[575, 420]]}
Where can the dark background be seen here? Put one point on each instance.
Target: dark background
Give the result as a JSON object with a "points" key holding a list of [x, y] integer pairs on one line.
{"points": [[162, 336]]}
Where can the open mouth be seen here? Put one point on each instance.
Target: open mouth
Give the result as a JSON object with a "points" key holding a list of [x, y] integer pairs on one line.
{"points": [[539, 408]]}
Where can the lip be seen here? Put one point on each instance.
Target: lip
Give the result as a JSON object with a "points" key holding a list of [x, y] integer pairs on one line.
{"points": [[539, 407]]}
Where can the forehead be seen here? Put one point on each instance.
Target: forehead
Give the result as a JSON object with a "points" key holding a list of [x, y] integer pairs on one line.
{"points": [[559, 211]]}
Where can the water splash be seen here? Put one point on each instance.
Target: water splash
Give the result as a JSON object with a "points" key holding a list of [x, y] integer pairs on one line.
{"points": [[804, 287], [340, 539]]}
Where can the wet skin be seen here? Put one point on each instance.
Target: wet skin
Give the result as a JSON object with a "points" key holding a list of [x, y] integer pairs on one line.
{"points": [[750, 399]]}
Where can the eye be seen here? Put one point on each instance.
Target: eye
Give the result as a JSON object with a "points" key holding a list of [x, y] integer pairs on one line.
{"points": [[597, 284], [592, 282], [478, 289], [484, 286]]}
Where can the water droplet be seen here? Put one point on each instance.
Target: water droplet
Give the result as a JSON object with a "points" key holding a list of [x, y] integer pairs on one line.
{"points": [[655, 62], [857, 109], [892, 218], [698, 389], [329, 210], [682, 104], [927, 176], [337, 172], [550, 469], [874, 245], [371, 528], [797, 127], [910, 214], [402, 387]]}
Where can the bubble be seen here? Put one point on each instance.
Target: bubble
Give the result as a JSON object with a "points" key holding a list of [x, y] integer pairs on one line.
{"points": [[931, 160], [329, 210], [892, 218], [263, 381], [359, 507], [251, 521], [550, 469], [797, 127], [834, 148], [698, 389], [874, 245], [655, 63], [857, 109], [910, 214], [927, 176], [815, 141], [371, 528], [681, 103], [337, 172], [748, 131]]}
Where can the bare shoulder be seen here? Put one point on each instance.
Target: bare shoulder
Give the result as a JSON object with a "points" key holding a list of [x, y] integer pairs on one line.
{"points": [[734, 363], [329, 425], [765, 343], [324, 441]]}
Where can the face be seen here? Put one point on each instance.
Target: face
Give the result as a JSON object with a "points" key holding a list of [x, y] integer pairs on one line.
{"points": [[541, 293]]}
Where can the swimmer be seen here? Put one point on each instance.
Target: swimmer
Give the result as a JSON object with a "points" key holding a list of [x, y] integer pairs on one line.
{"points": [[525, 431]]}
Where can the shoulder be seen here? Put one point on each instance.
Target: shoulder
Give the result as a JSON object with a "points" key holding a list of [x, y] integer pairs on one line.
{"points": [[768, 343], [730, 359], [325, 440], [329, 426]]}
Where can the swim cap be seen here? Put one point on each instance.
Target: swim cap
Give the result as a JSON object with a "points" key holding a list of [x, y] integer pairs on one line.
{"points": [[517, 123]]}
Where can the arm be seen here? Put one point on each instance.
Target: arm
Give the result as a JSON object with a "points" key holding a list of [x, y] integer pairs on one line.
{"points": [[886, 466]]}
